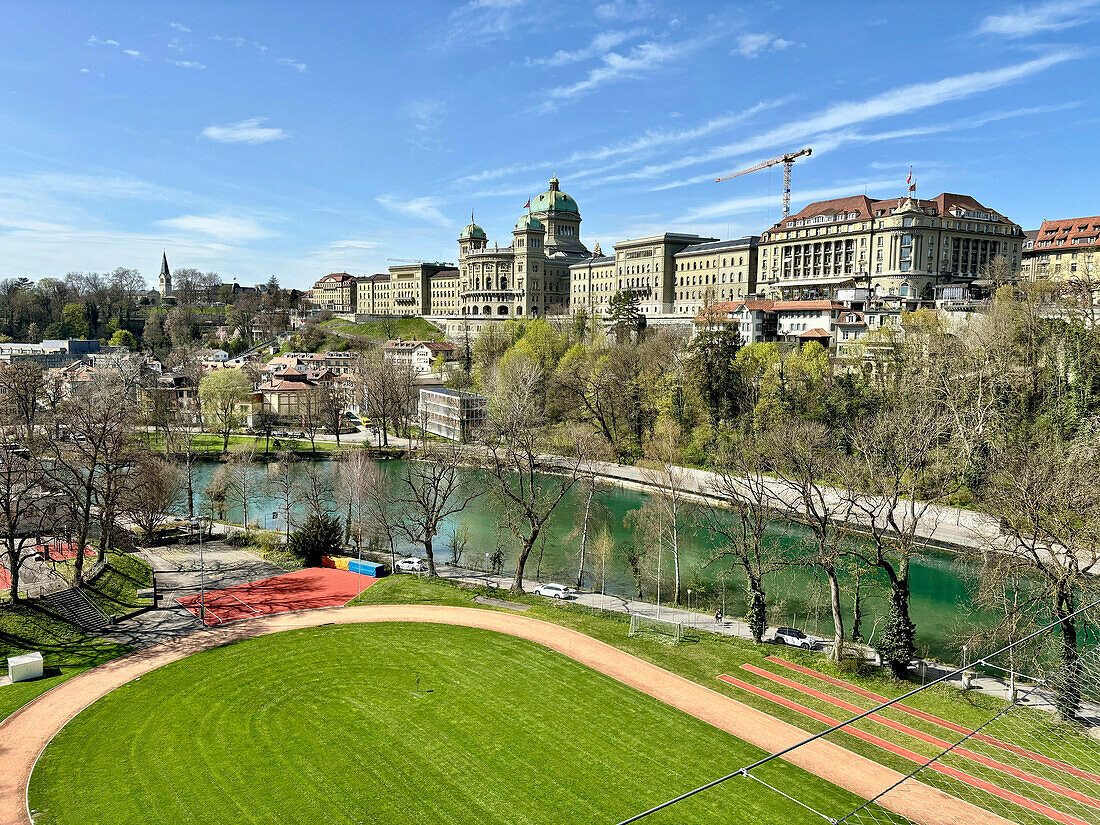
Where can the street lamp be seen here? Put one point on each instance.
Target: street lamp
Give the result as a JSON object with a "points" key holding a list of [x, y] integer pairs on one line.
{"points": [[197, 522], [691, 616]]}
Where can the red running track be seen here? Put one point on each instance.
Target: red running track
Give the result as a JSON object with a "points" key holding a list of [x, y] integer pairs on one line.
{"points": [[308, 589], [61, 551], [943, 723], [973, 756], [905, 753]]}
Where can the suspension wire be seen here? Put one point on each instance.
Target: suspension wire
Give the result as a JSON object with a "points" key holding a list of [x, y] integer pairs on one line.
{"points": [[1006, 709], [780, 753], [828, 819]]}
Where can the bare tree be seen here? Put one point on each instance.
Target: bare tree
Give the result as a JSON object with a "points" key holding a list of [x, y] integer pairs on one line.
{"points": [[22, 390], [153, 490], [893, 481], [528, 485], [1046, 495], [284, 485], [428, 492], [742, 525], [240, 480], [803, 456], [24, 507], [669, 497], [311, 406], [317, 489], [354, 487]]}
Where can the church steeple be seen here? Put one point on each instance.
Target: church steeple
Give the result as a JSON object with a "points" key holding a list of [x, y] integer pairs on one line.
{"points": [[165, 285]]}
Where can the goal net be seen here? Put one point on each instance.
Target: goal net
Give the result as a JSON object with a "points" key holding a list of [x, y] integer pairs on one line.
{"points": [[665, 629]]}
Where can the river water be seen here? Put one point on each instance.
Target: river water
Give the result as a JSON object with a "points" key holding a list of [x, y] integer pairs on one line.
{"points": [[942, 583]]}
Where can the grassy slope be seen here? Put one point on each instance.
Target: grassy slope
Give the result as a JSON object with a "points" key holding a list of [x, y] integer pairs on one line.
{"points": [[66, 649], [503, 730], [407, 328]]}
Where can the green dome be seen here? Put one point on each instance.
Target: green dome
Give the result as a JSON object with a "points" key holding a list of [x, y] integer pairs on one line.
{"points": [[554, 199], [528, 222], [471, 230]]}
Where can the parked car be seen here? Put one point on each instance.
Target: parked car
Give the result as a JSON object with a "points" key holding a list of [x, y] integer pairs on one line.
{"points": [[553, 591], [793, 637], [411, 565]]}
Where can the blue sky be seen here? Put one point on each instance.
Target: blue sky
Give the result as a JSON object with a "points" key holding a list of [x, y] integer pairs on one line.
{"points": [[295, 139]]}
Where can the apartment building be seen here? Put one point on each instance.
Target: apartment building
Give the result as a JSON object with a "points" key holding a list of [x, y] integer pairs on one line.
{"points": [[901, 249], [1065, 250]]}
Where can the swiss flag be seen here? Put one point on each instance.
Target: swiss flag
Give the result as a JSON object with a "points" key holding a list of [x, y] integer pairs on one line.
{"points": [[528, 204]]}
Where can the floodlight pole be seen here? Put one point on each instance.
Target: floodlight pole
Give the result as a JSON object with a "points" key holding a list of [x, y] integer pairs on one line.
{"points": [[202, 574]]}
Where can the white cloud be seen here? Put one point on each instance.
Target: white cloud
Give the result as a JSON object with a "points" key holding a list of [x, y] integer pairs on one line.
{"points": [[223, 227], [251, 131], [132, 52], [85, 71], [755, 44], [95, 41], [1055, 15], [180, 27], [648, 142], [642, 59], [897, 101], [297, 65], [494, 4], [601, 43], [425, 209], [185, 64], [237, 40]]}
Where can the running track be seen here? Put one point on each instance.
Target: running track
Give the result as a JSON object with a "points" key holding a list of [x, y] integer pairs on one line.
{"points": [[25, 734]]}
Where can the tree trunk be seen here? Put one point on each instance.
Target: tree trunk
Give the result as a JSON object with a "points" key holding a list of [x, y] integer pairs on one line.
{"points": [[13, 566], [676, 562], [584, 536], [838, 616], [757, 615], [1068, 686], [517, 582], [430, 553]]}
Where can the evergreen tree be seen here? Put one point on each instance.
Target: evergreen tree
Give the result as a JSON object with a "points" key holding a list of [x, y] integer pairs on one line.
{"points": [[624, 318], [712, 370], [319, 536]]}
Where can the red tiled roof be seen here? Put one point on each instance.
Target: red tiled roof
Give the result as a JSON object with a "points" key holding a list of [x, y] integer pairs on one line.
{"points": [[1061, 234], [865, 208], [816, 332], [729, 307], [337, 276], [793, 305]]}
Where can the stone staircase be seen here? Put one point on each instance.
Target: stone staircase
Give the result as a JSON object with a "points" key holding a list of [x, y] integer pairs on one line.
{"points": [[74, 606]]}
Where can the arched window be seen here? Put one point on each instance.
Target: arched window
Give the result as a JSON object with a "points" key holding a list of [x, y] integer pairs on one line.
{"points": [[502, 310], [503, 282], [486, 310]]}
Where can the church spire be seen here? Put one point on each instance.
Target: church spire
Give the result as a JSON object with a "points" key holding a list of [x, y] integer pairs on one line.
{"points": [[164, 264], [165, 286]]}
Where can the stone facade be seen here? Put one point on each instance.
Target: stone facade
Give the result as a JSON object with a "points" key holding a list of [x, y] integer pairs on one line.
{"points": [[530, 277], [901, 248], [335, 292], [716, 271]]}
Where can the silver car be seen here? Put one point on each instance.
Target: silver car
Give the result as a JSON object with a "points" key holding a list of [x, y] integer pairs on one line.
{"points": [[411, 565]]}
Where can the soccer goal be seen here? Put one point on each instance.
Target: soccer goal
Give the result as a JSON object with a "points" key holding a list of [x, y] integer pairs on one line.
{"points": [[666, 629]]}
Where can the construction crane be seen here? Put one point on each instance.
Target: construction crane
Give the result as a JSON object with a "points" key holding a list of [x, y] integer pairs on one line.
{"points": [[787, 160], [407, 260]]}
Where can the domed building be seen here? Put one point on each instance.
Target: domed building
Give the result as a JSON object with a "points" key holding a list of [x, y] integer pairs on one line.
{"points": [[530, 277]]}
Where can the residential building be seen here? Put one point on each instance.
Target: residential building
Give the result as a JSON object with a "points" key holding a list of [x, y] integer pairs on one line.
{"points": [[452, 414], [338, 363], [530, 277], [286, 395], [1066, 250], [335, 292], [420, 355], [714, 271], [901, 249], [754, 321]]}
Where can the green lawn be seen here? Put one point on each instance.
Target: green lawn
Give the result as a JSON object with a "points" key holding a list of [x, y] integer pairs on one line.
{"points": [[66, 650], [408, 328], [326, 725]]}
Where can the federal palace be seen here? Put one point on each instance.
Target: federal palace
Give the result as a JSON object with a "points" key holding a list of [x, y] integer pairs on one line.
{"points": [[899, 253]]}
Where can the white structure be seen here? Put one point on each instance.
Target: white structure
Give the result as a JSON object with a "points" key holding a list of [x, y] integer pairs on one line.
{"points": [[26, 667], [453, 414], [420, 355]]}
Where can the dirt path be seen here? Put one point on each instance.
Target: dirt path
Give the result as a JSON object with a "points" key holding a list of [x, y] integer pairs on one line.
{"points": [[25, 734]]}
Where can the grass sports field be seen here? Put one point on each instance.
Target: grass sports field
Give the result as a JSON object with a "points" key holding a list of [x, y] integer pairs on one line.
{"points": [[328, 725]]}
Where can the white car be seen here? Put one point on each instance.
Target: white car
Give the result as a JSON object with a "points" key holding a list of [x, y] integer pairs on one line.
{"points": [[411, 565], [553, 591], [794, 637]]}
